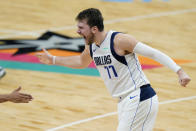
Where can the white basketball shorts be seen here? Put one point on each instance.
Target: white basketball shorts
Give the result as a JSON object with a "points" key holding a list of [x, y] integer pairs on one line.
{"points": [[138, 110]]}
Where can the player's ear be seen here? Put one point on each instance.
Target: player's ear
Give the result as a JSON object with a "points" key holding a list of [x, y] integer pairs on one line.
{"points": [[94, 29]]}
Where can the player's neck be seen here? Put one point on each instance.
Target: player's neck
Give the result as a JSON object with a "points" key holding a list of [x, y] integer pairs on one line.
{"points": [[100, 37]]}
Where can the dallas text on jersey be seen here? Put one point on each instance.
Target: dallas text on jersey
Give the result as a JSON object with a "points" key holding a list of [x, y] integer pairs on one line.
{"points": [[102, 60]]}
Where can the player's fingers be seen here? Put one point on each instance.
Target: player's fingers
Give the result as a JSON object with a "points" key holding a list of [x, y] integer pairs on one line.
{"points": [[25, 101], [26, 96], [45, 51], [184, 83], [18, 89], [21, 101], [39, 54]]}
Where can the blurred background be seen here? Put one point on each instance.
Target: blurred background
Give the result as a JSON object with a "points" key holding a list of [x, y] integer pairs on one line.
{"points": [[77, 100]]}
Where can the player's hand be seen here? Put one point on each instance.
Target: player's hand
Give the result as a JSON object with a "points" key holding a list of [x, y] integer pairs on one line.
{"points": [[18, 97], [45, 57], [184, 79]]}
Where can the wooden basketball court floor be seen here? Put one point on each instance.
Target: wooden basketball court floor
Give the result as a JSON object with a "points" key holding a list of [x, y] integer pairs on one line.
{"points": [[67, 102]]}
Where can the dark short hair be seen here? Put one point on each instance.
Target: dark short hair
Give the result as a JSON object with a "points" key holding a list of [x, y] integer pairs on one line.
{"points": [[93, 17]]}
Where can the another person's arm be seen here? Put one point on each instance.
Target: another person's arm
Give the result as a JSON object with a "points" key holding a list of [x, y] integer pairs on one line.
{"points": [[16, 97]]}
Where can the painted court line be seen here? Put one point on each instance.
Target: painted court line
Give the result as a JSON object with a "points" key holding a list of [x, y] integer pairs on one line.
{"points": [[154, 15], [10, 31], [114, 113], [20, 34], [133, 18]]}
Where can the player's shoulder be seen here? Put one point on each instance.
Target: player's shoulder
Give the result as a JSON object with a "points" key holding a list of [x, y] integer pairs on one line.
{"points": [[125, 42], [122, 38]]}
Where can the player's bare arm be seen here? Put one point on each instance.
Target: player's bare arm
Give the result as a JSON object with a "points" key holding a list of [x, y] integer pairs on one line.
{"points": [[125, 44], [79, 61]]}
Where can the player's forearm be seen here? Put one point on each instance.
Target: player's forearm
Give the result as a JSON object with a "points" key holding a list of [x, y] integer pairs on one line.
{"points": [[166, 61], [156, 55], [70, 61], [4, 98]]}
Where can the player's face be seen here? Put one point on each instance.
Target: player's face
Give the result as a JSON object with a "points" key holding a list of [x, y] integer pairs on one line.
{"points": [[84, 30]]}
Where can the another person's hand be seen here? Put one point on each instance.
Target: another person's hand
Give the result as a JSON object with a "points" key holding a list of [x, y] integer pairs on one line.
{"points": [[184, 79], [18, 97]]}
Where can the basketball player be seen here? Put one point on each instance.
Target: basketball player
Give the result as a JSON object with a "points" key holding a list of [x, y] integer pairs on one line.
{"points": [[114, 54], [16, 97]]}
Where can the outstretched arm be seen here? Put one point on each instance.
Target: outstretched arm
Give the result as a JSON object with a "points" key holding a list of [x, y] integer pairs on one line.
{"points": [[80, 61], [16, 97]]}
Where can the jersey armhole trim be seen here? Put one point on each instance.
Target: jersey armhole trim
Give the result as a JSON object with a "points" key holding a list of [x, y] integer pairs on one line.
{"points": [[116, 56], [91, 52]]}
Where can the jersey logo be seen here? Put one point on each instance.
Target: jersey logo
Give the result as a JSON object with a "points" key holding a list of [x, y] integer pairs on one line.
{"points": [[105, 48]]}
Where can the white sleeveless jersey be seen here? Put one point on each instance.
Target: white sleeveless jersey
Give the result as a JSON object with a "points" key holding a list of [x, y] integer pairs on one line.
{"points": [[121, 74]]}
